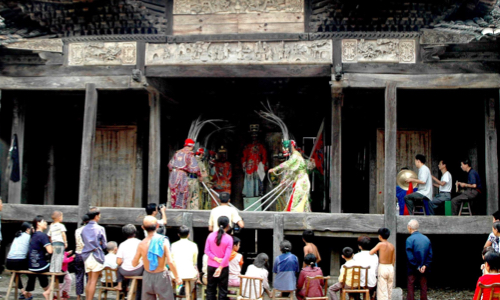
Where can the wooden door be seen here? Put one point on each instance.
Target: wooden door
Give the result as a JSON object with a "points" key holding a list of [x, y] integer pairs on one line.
{"points": [[409, 143], [114, 167]]}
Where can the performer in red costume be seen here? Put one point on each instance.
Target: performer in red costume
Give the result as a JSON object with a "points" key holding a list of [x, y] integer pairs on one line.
{"points": [[254, 157]]}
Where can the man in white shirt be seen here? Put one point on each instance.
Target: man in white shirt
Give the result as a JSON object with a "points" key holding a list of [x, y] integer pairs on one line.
{"points": [[364, 259], [224, 210], [185, 255], [124, 257], [424, 192], [444, 185], [110, 259]]}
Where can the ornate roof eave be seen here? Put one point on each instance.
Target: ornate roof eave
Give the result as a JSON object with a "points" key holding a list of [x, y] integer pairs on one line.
{"points": [[364, 35]]}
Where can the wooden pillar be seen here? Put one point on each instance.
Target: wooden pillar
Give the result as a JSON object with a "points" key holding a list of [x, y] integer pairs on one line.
{"points": [[334, 266], [50, 188], [88, 140], [390, 160], [336, 152], [491, 155], [18, 125], [187, 220], [278, 236], [154, 147]]}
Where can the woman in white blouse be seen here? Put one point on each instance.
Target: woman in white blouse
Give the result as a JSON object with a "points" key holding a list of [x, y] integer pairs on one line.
{"points": [[259, 269]]}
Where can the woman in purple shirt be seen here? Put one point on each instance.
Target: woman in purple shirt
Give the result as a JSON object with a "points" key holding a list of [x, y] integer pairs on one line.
{"points": [[218, 249]]}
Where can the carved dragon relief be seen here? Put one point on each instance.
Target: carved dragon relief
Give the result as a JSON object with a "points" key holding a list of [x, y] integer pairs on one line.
{"points": [[380, 50], [201, 53], [107, 54], [199, 7]]}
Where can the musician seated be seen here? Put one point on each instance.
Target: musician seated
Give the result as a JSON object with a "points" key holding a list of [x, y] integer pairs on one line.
{"points": [[444, 185], [401, 193], [424, 193], [224, 210]]}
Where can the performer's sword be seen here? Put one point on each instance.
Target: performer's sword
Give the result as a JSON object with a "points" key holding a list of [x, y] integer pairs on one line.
{"points": [[210, 193], [279, 195], [265, 196]]}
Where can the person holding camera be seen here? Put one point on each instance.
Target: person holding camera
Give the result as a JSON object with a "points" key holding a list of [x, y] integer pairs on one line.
{"points": [[224, 210], [152, 210]]}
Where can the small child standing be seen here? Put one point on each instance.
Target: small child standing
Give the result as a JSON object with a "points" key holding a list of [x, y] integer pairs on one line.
{"points": [[387, 258], [235, 263], [66, 286], [310, 248], [347, 254], [57, 235]]}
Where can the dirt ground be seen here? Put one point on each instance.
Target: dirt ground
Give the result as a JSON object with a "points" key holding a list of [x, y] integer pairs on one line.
{"points": [[433, 294]]}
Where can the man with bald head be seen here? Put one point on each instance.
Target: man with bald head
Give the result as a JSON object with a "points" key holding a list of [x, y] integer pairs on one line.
{"points": [[419, 254], [155, 253]]}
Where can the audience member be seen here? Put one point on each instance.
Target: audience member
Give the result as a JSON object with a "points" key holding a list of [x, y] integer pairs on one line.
{"points": [[154, 252], [444, 185], [66, 286], [124, 257], [185, 255], [401, 193], [472, 189], [491, 276], [218, 248], [235, 263], [419, 255], [152, 210], [347, 254], [94, 240], [365, 259], [387, 259], [110, 259], [57, 235], [38, 249], [310, 247], [485, 250], [204, 269], [259, 269], [492, 239], [17, 259], [78, 262], [495, 230], [286, 267], [424, 192], [315, 286], [224, 209]]}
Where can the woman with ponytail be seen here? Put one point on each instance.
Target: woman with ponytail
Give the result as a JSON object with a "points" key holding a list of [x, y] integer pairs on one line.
{"points": [[218, 248], [17, 259], [310, 270]]}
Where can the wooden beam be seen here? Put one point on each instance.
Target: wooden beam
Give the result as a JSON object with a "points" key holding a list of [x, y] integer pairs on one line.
{"points": [[187, 220], [278, 236], [68, 83], [447, 224], [390, 159], [154, 147], [88, 140], [491, 155], [423, 68], [62, 71], [429, 81], [336, 152], [18, 127]]}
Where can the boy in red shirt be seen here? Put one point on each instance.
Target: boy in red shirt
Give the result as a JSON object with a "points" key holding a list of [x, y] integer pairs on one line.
{"points": [[492, 266]]}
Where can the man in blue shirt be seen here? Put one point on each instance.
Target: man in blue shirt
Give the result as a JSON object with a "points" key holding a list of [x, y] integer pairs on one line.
{"points": [[472, 189], [419, 255]]}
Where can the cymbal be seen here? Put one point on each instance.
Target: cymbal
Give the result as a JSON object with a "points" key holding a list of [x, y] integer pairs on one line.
{"points": [[402, 176]]}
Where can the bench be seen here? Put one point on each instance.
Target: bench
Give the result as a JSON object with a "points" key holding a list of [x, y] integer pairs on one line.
{"points": [[14, 279], [132, 290]]}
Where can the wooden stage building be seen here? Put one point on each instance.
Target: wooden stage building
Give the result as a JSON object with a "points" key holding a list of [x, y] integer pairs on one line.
{"points": [[101, 93]]}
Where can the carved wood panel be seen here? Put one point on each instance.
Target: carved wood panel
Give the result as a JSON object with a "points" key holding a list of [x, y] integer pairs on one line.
{"points": [[380, 50], [199, 7], [95, 54]]}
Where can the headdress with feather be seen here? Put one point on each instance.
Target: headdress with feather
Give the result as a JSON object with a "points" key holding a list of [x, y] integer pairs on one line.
{"points": [[270, 116], [196, 127]]}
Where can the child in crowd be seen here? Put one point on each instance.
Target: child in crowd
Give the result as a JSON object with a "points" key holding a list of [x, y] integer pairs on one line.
{"points": [[258, 269], [492, 267], [486, 250], [387, 259], [286, 267], [493, 240], [235, 263], [347, 254], [110, 260], [315, 286], [308, 238], [57, 235], [66, 286]]}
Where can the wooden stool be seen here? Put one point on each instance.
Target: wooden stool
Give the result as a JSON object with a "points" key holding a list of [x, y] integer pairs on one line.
{"points": [[189, 288], [465, 210], [280, 297], [108, 286], [132, 290], [234, 289], [53, 282], [419, 208]]}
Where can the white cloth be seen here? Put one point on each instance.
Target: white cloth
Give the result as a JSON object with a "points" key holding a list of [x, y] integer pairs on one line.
{"points": [[424, 174], [223, 210], [56, 232], [447, 186], [261, 171], [78, 240], [204, 266], [364, 259], [185, 256], [110, 261], [126, 251], [253, 271]]}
